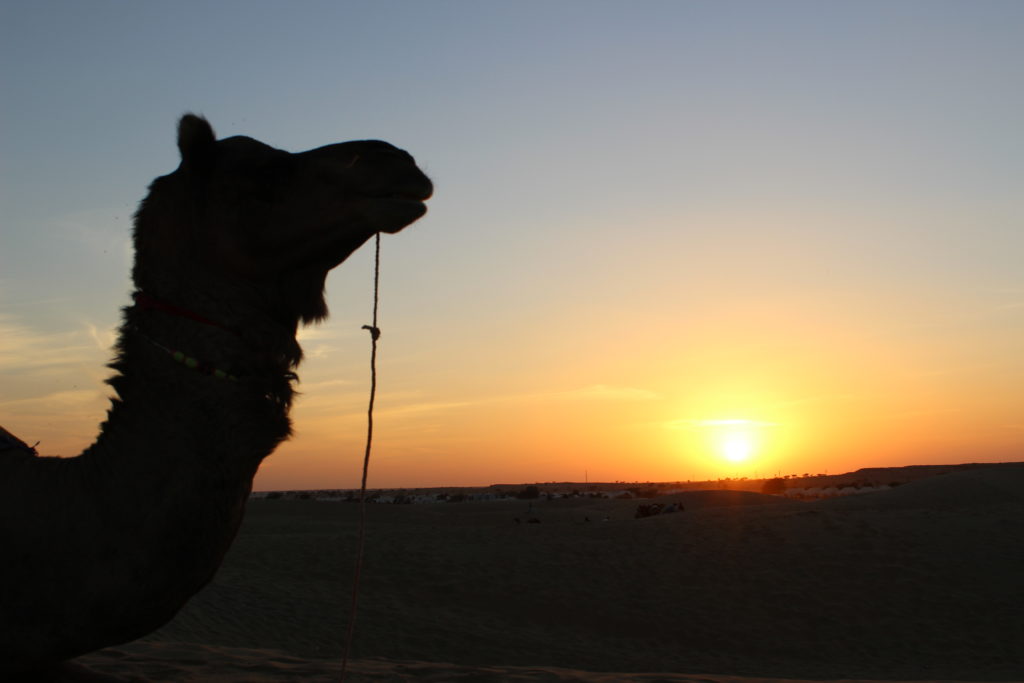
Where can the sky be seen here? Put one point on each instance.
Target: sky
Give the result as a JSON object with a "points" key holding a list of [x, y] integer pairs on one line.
{"points": [[669, 240]]}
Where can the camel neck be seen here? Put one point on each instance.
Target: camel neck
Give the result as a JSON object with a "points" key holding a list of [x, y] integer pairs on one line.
{"points": [[150, 508], [197, 388], [150, 303], [228, 345], [193, 407], [197, 364]]}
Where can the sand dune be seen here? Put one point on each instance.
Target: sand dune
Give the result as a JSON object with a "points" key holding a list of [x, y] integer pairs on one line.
{"points": [[922, 582], [191, 662]]}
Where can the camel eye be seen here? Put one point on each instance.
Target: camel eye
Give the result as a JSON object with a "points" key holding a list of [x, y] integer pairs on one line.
{"points": [[263, 184]]}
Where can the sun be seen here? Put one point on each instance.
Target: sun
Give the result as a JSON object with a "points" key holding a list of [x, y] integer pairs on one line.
{"points": [[734, 440], [741, 443], [736, 446]]}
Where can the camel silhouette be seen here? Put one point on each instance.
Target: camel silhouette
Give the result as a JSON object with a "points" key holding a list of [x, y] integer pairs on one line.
{"points": [[232, 251]]}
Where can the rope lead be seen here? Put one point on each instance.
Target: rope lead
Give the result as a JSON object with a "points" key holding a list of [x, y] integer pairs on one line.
{"points": [[374, 336]]}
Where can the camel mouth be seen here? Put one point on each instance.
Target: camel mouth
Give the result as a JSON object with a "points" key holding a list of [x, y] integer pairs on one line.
{"points": [[410, 190], [401, 201], [405, 203], [401, 197], [391, 211], [395, 206], [413, 194]]}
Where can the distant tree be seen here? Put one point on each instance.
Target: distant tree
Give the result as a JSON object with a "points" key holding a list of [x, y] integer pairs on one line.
{"points": [[529, 493], [774, 486]]}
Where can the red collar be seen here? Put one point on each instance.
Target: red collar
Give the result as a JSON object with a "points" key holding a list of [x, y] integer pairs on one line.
{"points": [[147, 303]]}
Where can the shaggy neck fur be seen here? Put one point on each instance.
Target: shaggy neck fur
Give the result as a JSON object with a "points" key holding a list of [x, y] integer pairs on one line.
{"points": [[153, 505]]}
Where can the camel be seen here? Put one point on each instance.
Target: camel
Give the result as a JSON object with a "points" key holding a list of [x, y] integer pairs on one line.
{"points": [[232, 251]]}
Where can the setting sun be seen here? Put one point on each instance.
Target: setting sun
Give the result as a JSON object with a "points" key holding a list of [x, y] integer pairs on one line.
{"points": [[735, 440], [737, 447]]}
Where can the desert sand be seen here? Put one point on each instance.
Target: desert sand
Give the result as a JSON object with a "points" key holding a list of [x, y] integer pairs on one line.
{"points": [[921, 582]]}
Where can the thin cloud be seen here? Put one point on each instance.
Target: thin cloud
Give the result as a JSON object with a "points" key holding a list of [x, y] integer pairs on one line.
{"points": [[426, 407], [703, 424], [63, 403], [605, 392], [309, 387], [320, 333], [817, 398], [104, 339], [346, 402], [910, 414], [22, 348]]}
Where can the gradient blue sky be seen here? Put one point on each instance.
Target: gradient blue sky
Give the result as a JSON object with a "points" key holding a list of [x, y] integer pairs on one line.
{"points": [[651, 218]]}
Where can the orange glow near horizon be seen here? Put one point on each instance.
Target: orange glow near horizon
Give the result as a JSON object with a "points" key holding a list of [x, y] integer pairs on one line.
{"points": [[699, 404], [722, 384]]}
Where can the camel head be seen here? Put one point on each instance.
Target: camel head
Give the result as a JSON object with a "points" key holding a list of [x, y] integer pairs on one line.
{"points": [[239, 214]]}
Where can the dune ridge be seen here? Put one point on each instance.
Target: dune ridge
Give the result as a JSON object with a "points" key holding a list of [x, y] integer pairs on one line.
{"points": [[921, 582]]}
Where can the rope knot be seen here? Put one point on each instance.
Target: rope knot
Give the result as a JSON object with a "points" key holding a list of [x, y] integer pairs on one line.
{"points": [[374, 331]]}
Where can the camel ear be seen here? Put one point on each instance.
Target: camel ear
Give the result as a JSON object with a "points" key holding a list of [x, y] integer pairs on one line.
{"points": [[195, 140]]}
